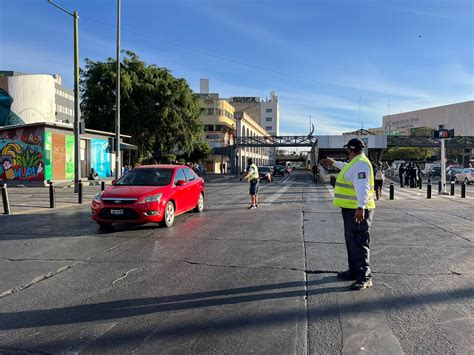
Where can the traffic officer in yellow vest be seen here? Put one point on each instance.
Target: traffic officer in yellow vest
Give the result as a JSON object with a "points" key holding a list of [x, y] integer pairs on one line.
{"points": [[354, 194], [251, 173]]}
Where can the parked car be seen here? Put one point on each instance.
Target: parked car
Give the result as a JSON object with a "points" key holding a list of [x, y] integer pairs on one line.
{"points": [[466, 175], [451, 173], [434, 172], [279, 170], [151, 193], [265, 173]]}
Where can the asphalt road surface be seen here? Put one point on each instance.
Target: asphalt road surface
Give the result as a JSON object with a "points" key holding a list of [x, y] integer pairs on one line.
{"points": [[238, 281]]}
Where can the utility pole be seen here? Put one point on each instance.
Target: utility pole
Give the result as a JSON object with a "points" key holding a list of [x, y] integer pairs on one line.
{"points": [[118, 165], [77, 137], [443, 167]]}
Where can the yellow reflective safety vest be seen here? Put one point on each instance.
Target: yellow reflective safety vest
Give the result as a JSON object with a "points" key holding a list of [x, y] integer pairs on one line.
{"points": [[254, 175], [345, 195]]}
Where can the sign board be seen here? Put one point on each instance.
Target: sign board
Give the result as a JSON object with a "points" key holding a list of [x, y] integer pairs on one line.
{"points": [[244, 99]]}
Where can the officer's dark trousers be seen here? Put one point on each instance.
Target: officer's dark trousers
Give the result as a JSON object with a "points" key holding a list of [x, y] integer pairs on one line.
{"points": [[357, 237]]}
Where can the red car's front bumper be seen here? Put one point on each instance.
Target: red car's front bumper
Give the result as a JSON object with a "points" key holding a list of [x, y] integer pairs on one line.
{"points": [[128, 213]]}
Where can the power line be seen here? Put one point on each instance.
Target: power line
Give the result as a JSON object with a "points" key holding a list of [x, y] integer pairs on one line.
{"points": [[258, 67], [227, 59]]}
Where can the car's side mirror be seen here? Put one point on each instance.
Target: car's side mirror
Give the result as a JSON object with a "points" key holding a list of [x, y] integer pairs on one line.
{"points": [[180, 182]]}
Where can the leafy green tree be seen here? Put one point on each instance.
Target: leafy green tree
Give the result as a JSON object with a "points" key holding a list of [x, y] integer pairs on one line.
{"points": [[408, 153], [201, 151], [159, 111]]}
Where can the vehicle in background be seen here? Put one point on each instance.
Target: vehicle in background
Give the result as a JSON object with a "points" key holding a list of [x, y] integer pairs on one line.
{"points": [[265, 173], [279, 170], [451, 173], [429, 168], [465, 175], [434, 172], [150, 193]]}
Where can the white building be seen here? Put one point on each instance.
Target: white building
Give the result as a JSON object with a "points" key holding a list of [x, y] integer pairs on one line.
{"points": [[270, 115], [38, 97], [459, 116]]}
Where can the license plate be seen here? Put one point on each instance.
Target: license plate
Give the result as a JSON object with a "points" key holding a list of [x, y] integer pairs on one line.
{"points": [[116, 212]]}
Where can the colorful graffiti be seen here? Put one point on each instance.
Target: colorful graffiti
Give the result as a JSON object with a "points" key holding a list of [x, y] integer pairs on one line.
{"points": [[20, 161], [21, 156]]}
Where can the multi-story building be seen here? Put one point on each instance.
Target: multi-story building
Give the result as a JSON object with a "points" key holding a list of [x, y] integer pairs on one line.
{"points": [[222, 123], [247, 127], [38, 97], [265, 112], [459, 116]]}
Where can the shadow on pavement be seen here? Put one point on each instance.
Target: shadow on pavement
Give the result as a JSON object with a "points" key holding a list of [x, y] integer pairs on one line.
{"points": [[143, 306]]}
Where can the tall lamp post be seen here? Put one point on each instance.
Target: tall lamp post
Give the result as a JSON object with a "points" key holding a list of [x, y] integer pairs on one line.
{"points": [[77, 138], [118, 161]]}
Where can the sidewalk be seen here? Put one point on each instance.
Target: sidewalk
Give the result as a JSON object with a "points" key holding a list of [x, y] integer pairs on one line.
{"points": [[32, 200]]}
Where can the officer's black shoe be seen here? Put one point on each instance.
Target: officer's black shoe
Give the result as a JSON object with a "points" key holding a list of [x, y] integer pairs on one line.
{"points": [[346, 275], [360, 285]]}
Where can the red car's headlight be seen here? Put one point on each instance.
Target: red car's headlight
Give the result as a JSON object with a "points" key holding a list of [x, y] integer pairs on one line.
{"points": [[152, 198]]}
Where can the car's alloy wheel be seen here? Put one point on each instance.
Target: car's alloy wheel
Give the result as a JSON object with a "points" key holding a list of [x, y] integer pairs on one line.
{"points": [[168, 218], [200, 205]]}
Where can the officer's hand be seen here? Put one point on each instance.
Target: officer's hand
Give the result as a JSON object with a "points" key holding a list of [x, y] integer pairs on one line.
{"points": [[359, 215], [326, 162]]}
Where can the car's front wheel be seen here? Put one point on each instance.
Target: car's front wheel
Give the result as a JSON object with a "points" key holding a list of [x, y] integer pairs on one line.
{"points": [[200, 204], [168, 218]]}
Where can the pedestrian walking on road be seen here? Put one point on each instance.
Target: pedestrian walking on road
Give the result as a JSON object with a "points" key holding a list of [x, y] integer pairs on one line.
{"points": [[354, 194], [419, 175], [251, 174], [401, 171], [379, 179]]}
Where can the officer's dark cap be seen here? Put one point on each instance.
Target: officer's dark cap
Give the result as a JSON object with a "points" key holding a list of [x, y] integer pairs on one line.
{"points": [[355, 143]]}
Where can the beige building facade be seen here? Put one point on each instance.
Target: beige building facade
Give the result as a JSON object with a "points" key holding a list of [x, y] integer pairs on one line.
{"points": [[458, 116], [247, 127]]}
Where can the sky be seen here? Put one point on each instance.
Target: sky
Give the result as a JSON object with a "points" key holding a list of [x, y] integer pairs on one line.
{"points": [[344, 63]]}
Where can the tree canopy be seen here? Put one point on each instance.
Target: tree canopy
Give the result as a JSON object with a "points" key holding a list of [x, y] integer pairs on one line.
{"points": [[408, 153], [159, 111]]}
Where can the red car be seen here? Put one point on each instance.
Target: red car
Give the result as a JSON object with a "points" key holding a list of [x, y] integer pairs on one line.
{"points": [[151, 193]]}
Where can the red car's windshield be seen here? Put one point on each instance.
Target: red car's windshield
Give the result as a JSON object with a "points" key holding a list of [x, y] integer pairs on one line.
{"points": [[146, 177]]}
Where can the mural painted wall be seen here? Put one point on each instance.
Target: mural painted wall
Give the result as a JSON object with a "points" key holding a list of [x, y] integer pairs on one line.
{"points": [[100, 157], [21, 154]]}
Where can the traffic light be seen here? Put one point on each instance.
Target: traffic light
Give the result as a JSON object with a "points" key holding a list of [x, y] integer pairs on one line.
{"points": [[443, 133]]}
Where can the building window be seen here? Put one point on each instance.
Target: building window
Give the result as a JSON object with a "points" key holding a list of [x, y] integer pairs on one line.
{"points": [[268, 110], [268, 128], [269, 119]]}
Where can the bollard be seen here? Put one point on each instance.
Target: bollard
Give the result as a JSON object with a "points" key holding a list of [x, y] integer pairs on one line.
{"points": [[102, 185], [52, 195], [333, 180], [392, 191], [79, 195], [452, 188], [428, 191], [439, 187], [6, 201], [463, 190]]}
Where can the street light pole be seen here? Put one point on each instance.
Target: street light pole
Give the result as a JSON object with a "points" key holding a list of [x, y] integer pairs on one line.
{"points": [[118, 165], [77, 137]]}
